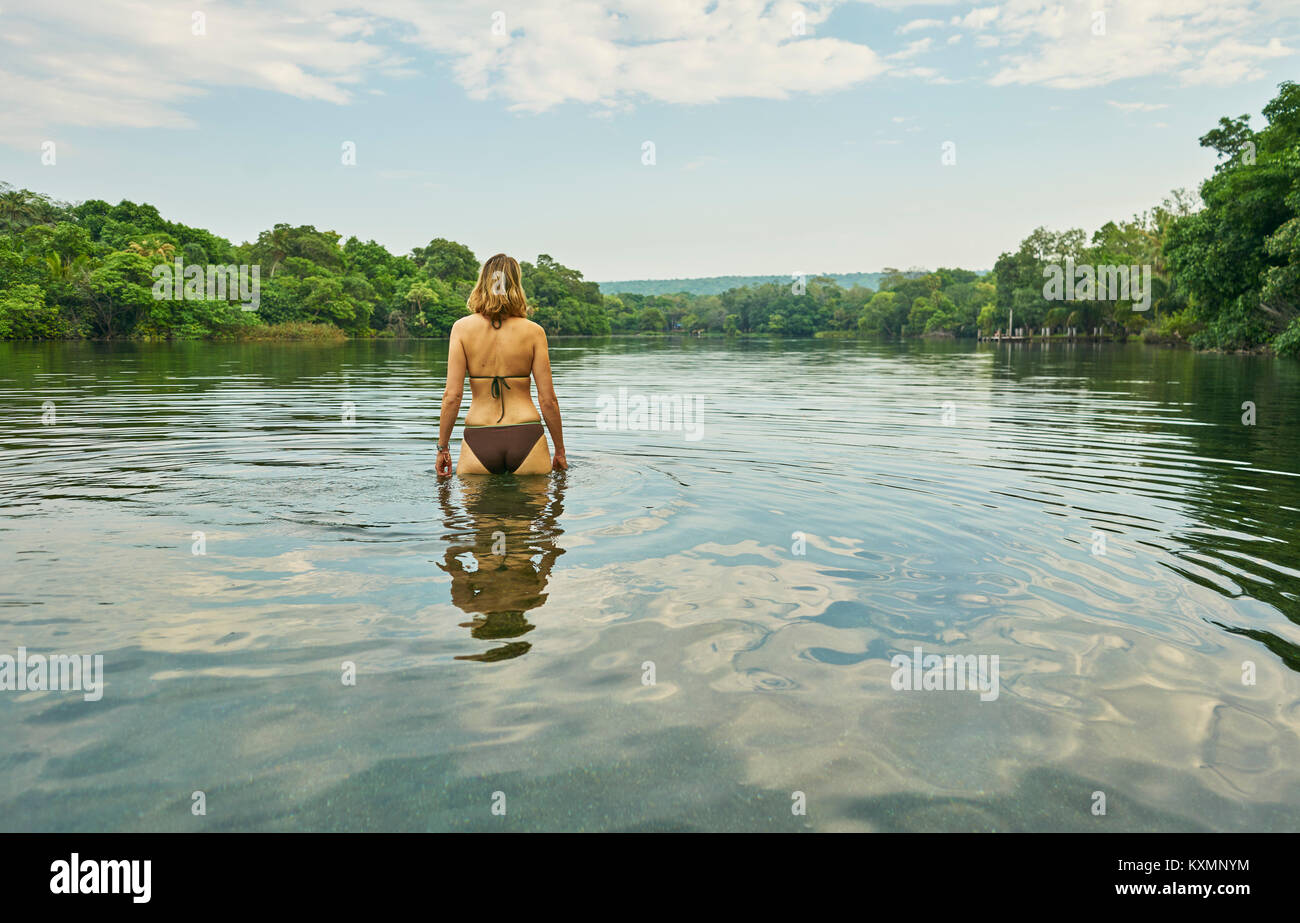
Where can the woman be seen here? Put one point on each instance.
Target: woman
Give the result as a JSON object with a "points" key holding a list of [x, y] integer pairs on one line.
{"points": [[498, 348]]}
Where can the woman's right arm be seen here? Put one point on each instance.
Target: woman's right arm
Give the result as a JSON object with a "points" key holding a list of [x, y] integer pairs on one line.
{"points": [[546, 398], [451, 396]]}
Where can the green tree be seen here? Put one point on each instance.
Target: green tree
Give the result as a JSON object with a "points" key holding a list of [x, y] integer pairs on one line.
{"points": [[1225, 254], [885, 314], [652, 319], [120, 292], [24, 315], [447, 260]]}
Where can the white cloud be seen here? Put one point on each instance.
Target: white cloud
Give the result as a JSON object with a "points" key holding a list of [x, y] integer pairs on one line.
{"points": [[978, 18], [920, 46], [134, 63], [1232, 61], [130, 63], [613, 54], [917, 24], [1062, 44], [927, 73], [1137, 107]]}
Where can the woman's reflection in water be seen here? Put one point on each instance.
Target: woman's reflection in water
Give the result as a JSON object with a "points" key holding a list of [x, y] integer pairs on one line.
{"points": [[501, 546]]}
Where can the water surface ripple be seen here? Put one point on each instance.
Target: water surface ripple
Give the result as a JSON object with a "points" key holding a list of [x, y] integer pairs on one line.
{"points": [[846, 502]]}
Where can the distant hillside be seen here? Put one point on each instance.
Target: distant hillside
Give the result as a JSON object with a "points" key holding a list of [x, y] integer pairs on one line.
{"points": [[716, 285]]}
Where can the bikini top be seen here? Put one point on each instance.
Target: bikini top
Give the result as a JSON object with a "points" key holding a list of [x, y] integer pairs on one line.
{"points": [[499, 388]]}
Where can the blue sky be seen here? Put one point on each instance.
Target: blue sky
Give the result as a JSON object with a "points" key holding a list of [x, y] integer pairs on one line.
{"points": [[777, 151]]}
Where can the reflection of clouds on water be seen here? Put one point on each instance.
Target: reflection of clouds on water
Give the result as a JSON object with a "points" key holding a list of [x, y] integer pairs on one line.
{"points": [[785, 658], [329, 542], [751, 644]]}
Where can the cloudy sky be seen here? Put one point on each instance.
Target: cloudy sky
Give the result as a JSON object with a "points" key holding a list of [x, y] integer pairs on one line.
{"points": [[786, 137]]}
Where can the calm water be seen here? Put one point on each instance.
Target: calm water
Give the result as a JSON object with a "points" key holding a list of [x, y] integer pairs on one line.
{"points": [[950, 497]]}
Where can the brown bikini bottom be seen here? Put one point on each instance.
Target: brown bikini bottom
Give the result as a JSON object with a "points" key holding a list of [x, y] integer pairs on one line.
{"points": [[503, 448]]}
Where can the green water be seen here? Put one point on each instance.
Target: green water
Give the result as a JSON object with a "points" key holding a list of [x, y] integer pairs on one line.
{"points": [[843, 503]]}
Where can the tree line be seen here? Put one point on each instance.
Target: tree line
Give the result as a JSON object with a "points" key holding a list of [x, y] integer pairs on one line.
{"points": [[1225, 274], [91, 270]]}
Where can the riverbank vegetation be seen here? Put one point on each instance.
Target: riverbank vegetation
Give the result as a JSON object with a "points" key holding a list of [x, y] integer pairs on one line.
{"points": [[1225, 274]]}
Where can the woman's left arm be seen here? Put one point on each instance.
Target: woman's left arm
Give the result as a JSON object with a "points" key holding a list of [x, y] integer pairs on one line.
{"points": [[451, 396]]}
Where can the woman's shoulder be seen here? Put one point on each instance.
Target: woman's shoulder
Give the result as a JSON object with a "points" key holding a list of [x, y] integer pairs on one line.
{"points": [[529, 328]]}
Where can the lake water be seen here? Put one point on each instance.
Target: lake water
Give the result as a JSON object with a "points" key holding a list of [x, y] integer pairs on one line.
{"points": [[681, 632]]}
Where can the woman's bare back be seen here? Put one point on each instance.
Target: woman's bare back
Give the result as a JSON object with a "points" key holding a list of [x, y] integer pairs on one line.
{"points": [[502, 357], [497, 349]]}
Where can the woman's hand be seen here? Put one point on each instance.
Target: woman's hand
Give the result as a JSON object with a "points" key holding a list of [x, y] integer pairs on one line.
{"points": [[443, 466], [559, 463]]}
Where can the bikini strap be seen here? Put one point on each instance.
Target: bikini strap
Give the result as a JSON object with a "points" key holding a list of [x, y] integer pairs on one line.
{"points": [[499, 382]]}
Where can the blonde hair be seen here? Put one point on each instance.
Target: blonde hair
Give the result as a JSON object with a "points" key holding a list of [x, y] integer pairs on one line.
{"points": [[499, 293]]}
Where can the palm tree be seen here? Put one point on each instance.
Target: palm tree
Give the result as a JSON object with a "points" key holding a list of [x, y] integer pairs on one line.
{"points": [[420, 293], [152, 249], [74, 272], [278, 242], [17, 208]]}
